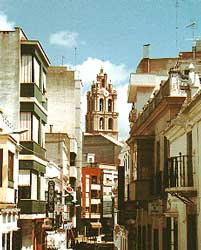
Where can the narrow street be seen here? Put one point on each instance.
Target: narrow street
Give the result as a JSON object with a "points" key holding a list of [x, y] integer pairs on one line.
{"points": [[100, 125]]}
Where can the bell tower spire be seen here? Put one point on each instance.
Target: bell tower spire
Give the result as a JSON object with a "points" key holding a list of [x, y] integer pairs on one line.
{"points": [[102, 116]]}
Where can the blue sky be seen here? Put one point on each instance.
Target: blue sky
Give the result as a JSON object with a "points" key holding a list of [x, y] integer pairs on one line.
{"points": [[108, 33]]}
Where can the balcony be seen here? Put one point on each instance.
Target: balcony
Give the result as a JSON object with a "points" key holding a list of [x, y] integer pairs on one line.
{"points": [[180, 175], [31, 147], [140, 190], [32, 90], [32, 206]]}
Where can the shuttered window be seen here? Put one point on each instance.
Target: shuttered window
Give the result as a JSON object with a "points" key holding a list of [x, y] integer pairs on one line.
{"points": [[42, 135], [26, 69], [10, 166], [42, 187], [34, 186], [36, 72], [24, 177], [25, 122], [35, 129], [44, 82]]}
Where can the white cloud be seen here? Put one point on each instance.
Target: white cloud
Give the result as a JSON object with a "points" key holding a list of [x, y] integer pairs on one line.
{"points": [[64, 38], [4, 23], [119, 75]]}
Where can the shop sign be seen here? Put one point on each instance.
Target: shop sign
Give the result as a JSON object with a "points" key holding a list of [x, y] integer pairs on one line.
{"points": [[51, 195], [69, 190]]}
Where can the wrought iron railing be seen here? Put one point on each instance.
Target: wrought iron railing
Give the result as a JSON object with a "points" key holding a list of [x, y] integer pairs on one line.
{"points": [[180, 171]]}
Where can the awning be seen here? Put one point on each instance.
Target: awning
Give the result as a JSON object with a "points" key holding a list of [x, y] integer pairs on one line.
{"points": [[96, 224]]}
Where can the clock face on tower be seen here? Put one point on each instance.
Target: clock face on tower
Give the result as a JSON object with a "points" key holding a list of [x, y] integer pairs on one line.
{"points": [[105, 93]]}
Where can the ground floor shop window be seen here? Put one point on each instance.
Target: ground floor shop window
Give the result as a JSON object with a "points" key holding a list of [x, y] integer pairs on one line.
{"points": [[8, 242], [156, 240], [3, 241]]}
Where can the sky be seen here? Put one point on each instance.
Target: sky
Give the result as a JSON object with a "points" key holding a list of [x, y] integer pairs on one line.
{"points": [[105, 33]]}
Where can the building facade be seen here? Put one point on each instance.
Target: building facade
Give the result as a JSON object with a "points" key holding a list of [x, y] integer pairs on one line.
{"points": [[154, 225], [183, 176], [101, 146], [91, 200], [9, 168], [26, 105], [65, 117]]}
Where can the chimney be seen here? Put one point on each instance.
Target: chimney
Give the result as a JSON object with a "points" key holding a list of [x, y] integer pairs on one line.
{"points": [[51, 128], [146, 50]]}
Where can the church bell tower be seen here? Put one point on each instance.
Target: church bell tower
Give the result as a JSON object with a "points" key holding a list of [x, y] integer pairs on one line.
{"points": [[101, 114]]}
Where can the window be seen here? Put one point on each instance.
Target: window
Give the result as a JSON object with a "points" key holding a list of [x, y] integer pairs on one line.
{"points": [[158, 156], [110, 105], [34, 186], [9, 217], [42, 135], [4, 218], [26, 69], [42, 187], [1, 166], [94, 194], [110, 123], [24, 192], [35, 129], [103, 83], [44, 83], [101, 104], [36, 72], [25, 122], [94, 208], [189, 163], [94, 179], [101, 123], [10, 167], [8, 241], [3, 241]]}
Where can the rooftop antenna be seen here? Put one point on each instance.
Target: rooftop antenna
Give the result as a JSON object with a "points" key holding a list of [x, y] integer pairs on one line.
{"points": [[75, 58], [192, 25], [62, 60], [177, 8]]}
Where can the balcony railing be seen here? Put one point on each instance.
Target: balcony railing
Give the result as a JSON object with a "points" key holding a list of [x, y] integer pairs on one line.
{"points": [[180, 171]]}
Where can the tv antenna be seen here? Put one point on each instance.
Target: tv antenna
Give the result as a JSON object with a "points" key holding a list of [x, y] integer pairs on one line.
{"points": [[62, 60], [177, 10], [75, 58], [192, 25]]}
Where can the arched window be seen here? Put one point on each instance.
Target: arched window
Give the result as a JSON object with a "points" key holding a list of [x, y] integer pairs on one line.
{"points": [[110, 105], [110, 123], [103, 83], [101, 123], [101, 104]]}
